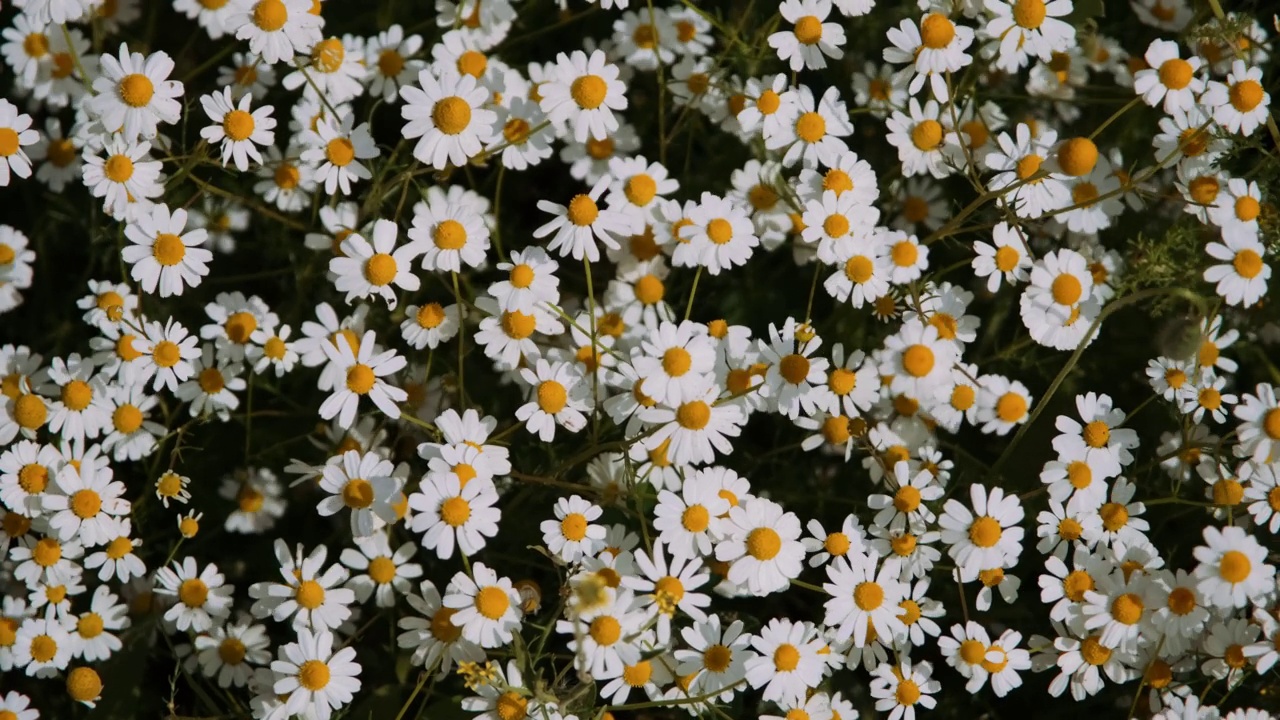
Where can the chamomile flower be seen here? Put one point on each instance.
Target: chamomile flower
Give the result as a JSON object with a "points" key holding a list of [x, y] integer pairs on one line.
{"points": [[335, 149], [900, 688], [15, 132], [203, 598], [581, 95], [315, 679], [448, 511], [275, 29], [812, 138], [486, 606], [365, 484], [1232, 569], [213, 387], [450, 236], [762, 541], [162, 256], [557, 396], [87, 500], [448, 116], [133, 93], [812, 40], [572, 534], [43, 646], [237, 129], [933, 49], [1243, 279], [579, 225], [377, 266], [1168, 77], [1005, 260], [364, 374], [988, 536]]}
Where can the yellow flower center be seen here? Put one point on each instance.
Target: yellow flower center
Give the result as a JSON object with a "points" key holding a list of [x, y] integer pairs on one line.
{"points": [[136, 90], [270, 15], [936, 31], [811, 127], [764, 543], [168, 250], [238, 125], [589, 91], [985, 532]]}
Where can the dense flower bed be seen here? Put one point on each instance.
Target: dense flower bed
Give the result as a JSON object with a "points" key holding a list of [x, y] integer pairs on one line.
{"points": [[509, 360]]}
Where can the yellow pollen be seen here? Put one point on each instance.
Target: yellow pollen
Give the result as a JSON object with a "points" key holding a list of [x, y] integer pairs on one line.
{"points": [[808, 30], [136, 90], [270, 15], [927, 135], [589, 91], [360, 379], [763, 543], [313, 675], [492, 602], [811, 127], [238, 125], [985, 532], [936, 31]]}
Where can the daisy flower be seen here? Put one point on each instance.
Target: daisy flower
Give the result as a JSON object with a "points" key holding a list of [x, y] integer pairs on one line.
{"points": [[793, 377], [116, 558], [447, 116], [15, 132], [769, 106], [58, 155], [230, 652], [486, 606], [236, 128], [382, 571], [695, 428], [43, 646], [1168, 77], [315, 679], [87, 501], [924, 145], [811, 41], [365, 484], [986, 537], [900, 688], [933, 49], [133, 93], [582, 94], [451, 235], [448, 511], [257, 499], [557, 396], [1244, 278], [715, 659], [276, 29], [92, 626], [720, 232], [572, 535], [371, 268], [389, 55], [789, 661], [337, 70], [1232, 568], [335, 149], [1099, 441], [18, 705], [203, 600], [1002, 404], [688, 520], [1006, 259], [1263, 496], [364, 375], [762, 541], [1028, 28], [125, 175], [1240, 104], [162, 255], [213, 387], [577, 226], [271, 348], [812, 138], [311, 595], [433, 637]]}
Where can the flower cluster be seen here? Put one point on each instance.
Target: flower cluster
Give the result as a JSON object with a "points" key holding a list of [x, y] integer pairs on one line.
{"points": [[595, 340]]}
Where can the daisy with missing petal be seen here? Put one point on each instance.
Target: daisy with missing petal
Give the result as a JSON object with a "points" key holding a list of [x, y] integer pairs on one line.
{"points": [[372, 268], [236, 128], [26, 472], [1006, 260], [310, 594], [451, 235], [336, 149], [166, 352], [578, 226], [449, 511], [762, 541], [230, 652], [202, 597], [924, 144], [1027, 28], [900, 688], [486, 606], [862, 269], [364, 376], [430, 324], [213, 388], [811, 41], [162, 255], [582, 94], [383, 574], [276, 29], [315, 679], [918, 360], [1244, 277], [134, 93], [366, 485], [1233, 569], [15, 131], [448, 116], [433, 637], [271, 348]]}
